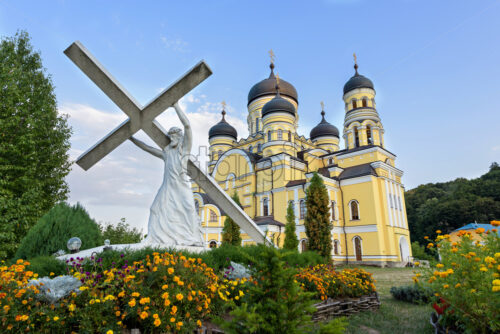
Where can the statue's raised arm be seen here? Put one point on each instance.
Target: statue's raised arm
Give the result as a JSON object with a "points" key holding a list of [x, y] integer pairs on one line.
{"points": [[154, 151], [188, 135]]}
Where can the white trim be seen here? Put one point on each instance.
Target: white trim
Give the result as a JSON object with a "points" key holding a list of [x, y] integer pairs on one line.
{"points": [[355, 229], [387, 167], [356, 180], [370, 150], [389, 213]]}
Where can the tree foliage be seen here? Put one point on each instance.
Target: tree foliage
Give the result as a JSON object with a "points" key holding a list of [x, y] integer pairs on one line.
{"points": [[56, 227], [276, 303], [450, 205], [231, 234], [317, 220], [121, 233], [34, 142], [291, 241]]}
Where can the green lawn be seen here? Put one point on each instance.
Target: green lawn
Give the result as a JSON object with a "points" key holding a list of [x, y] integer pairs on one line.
{"points": [[393, 316]]}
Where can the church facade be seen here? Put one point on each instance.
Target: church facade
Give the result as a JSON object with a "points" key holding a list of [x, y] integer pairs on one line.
{"points": [[272, 167]]}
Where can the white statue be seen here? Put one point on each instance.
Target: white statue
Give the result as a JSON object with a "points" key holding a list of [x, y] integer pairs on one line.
{"points": [[173, 219]]}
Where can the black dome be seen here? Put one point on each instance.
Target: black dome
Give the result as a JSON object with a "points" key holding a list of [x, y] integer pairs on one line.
{"points": [[357, 81], [267, 87], [222, 128], [278, 104], [324, 129]]}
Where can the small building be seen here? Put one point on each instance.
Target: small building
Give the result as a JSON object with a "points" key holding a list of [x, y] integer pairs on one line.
{"points": [[471, 227]]}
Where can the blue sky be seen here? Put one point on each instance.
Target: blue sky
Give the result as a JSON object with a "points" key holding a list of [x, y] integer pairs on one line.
{"points": [[434, 65]]}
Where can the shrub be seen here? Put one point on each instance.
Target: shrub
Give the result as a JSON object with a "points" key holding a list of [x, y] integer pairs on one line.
{"points": [[219, 258], [415, 294], [275, 303], [325, 282], [231, 233], [317, 220], [467, 281], [47, 266], [291, 241], [54, 229], [419, 252], [120, 233]]}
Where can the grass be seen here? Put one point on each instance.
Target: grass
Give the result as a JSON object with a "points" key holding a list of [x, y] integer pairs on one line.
{"points": [[393, 316]]}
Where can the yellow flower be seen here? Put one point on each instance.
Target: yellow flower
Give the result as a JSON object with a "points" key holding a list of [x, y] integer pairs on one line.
{"points": [[165, 295], [172, 319], [110, 332], [417, 263], [155, 316], [144, 315], [446, 286], [117, 313], [135, 294], [472, 290], [439, 265], [71, 307], [438, 231], [496, 282], [164, 287], [458, 285], [179, 296], [121, 294], [179, 324], [144, 300], [174, 310], [131, 303], [176, 278], [484, 269], [171, 271], [198, 322], [495, 288], [157, 322], [55, 318]]}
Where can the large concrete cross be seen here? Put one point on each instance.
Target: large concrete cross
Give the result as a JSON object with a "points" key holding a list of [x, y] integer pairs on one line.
{"points": [[143, 118]]}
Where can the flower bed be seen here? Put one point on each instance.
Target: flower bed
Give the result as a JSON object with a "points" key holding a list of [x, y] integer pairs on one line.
{"points": [[466, 282], [327, 283], [165, 292]]}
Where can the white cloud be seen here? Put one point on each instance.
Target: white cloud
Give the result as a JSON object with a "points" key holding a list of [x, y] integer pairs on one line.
{"points": [[174, 43]]}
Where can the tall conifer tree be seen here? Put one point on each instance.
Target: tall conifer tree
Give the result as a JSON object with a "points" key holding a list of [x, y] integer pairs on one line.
{"points": [[231, 234], [317, 220], [291, 241]]}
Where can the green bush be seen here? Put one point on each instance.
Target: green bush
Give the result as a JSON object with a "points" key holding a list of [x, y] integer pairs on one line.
{"points": [[276, 303], [412, 294], [56, 227], [419, 252], [121, 233], [219, 258], [45, 265]]}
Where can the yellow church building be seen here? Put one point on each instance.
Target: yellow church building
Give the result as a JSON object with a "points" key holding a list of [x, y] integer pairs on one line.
{"points": [[273, 165]]}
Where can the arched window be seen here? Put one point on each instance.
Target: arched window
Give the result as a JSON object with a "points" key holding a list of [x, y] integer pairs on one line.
{"points": [[358, 249], [280, 134], [356, 137], [399, 201], [334, 216], [289, 135], [257, 123], [269, 136], [302, 211], [364, 102], [330, 161], [390, 200], [354, 207], [213, 217], [303, 245], [369, 134], [354, 104], [197, 207], [259, 147], [336, 247], [250, 149], [265, 207], [212, 244]]}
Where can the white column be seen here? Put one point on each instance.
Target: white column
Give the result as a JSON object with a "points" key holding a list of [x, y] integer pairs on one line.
{"points": [[389, 211]]}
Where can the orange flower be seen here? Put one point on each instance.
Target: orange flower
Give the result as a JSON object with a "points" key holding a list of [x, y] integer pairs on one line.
{"points": [[144, 315], [157, 322], [131, 303], [179, 296]]}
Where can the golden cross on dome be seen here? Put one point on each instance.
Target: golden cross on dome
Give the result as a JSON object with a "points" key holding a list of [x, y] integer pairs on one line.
{"points": [[277, 79], [355, 58], [272, 56], [223, 103], [322, 105]]}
